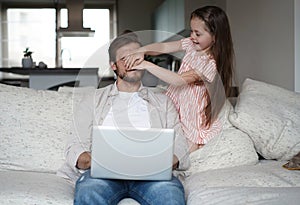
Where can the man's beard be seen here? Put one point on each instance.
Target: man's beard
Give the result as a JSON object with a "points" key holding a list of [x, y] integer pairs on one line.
{"points": [[127, 78]]}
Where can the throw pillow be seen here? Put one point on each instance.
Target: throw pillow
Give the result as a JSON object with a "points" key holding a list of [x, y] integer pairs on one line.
{"points": [[230, 148], [270, 115], [34, 126]]}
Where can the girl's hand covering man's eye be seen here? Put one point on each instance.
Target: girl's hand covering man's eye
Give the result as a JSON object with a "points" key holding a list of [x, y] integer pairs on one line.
{"points": [[141, 66], [133, 58]]}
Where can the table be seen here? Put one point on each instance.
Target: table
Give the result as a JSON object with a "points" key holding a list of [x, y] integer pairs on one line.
{"points": [[46, 78]]}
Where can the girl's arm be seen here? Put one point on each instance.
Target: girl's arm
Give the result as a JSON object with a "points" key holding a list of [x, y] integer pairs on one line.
{"points": [[160, 48], [151, 49], [168, 76]]}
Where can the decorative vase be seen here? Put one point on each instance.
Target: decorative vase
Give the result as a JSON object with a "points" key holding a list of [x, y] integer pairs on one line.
{"points": [[27, 62]]}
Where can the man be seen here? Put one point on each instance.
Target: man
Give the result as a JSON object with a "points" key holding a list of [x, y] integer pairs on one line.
{"points": [[125, 103]]}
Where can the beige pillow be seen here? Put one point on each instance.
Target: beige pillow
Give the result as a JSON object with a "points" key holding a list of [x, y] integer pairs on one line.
{"points": [[230, 148], [34, 126], [270, 115]]}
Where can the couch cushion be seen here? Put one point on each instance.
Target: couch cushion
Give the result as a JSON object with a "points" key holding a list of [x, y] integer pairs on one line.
{"points": [[28, 188], [270, 115], [34, 126], [19, 187], [230, 148], [264, 183], [266, 173]]}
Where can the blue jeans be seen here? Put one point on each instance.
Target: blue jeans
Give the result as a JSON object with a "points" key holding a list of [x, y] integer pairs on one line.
{"points": [[92, 191]]}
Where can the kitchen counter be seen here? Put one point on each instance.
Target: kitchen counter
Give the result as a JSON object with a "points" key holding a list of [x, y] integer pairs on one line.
{"points": [[28, 71], [47, 78]]}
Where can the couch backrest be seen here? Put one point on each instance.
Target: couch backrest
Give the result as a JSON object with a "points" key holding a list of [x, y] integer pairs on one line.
{"points": [[34, 127]]}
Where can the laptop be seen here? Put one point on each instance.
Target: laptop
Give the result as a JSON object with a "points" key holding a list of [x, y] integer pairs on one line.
{"points": [[132, 153]]}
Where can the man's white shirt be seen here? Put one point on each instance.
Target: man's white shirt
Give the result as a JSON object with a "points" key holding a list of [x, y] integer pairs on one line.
{"points": [[128, 110]]}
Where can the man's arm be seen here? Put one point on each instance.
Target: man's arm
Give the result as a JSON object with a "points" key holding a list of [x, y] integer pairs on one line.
{"points": [[175, 162], [78, 146]]}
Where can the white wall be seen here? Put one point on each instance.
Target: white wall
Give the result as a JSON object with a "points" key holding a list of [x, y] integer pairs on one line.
{"points": [[264, 39], [1, 74], [297, 45]]}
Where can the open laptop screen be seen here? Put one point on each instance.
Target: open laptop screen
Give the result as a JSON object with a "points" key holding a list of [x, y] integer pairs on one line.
{"points": [[131, 153]]}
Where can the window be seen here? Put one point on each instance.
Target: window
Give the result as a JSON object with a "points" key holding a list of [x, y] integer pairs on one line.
{"points": [[32, 28], [75, 51], [35, 28]]}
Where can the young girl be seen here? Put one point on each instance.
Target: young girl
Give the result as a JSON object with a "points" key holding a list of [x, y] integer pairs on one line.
{"points": [[200, 87]]}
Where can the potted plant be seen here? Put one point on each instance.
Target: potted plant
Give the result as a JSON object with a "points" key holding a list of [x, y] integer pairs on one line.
{"points": [[27, 61]]}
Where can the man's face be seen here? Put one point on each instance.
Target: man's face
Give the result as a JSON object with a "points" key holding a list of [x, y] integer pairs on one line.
{"points": [[119, 66]]}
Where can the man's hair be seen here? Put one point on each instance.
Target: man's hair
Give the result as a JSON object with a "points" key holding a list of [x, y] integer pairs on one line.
{"points": [[121, 41]]}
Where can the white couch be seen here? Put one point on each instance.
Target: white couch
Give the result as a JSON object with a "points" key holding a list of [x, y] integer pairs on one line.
{"points": [[34, 126]]}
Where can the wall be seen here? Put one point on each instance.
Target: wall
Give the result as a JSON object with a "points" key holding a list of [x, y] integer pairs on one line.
{"points": [[0, 38], [191, 5], [135, 15], [264, 34], [297, 46], [173, 16], [264, 40]]}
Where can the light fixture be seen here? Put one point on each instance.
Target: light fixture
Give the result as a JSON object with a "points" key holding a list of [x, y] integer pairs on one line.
{"points": [[75, 21]]}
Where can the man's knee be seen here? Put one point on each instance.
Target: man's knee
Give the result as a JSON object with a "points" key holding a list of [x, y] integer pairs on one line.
{"points": [[168, 192], [88, 191]]}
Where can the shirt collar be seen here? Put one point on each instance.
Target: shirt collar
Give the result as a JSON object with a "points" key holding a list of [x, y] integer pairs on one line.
{"points": [[142, 92]]}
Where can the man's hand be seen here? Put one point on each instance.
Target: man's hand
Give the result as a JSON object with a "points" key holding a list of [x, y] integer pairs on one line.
{"points": [[175, 162], [84, 161]]}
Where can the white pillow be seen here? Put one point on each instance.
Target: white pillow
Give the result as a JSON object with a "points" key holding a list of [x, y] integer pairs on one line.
{"points": [[34, 127], [230, 148], [270, 115]]}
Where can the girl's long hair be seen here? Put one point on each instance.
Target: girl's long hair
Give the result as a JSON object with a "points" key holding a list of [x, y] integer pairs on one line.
{"points": [[222, 51]]}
